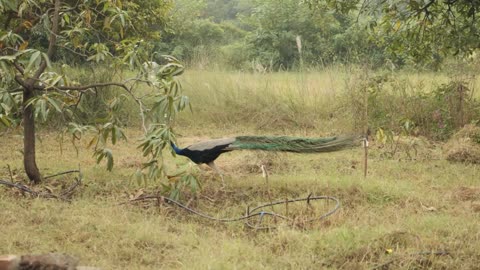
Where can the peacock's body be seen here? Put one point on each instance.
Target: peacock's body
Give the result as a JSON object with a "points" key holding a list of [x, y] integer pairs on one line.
{"points": [[207, 151]]}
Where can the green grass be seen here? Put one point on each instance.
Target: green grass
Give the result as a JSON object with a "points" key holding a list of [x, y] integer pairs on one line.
{"points": [[390, 209]]}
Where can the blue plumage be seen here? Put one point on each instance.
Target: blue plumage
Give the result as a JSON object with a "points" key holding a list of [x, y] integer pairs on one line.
{"points": [[199, 156]]}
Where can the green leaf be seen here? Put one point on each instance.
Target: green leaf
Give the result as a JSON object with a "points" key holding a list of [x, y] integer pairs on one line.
{"points": [[114, 135], [105, 153], [47, 60], [9, 58], [66, 18], [9, 5], [54, 104], [109, 159], [93, 141], [122, 19], [4, 119], [34, 61]]}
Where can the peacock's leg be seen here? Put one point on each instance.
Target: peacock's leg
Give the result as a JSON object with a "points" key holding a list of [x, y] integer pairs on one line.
{"points": [[216, 169]]}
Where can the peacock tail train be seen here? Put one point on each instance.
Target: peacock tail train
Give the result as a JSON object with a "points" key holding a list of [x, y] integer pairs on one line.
{"points": [[208, 151], [293, 144]]}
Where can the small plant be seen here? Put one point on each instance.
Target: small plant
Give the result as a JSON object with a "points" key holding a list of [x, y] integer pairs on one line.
{"points": [[393, 143]]}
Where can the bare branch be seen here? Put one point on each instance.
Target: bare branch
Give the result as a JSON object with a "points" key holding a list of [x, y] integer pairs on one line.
{"points": [[19, 80], [64, 195], [18, 89], [425, 8], [18, 67], [73, 51], [86, 87]]}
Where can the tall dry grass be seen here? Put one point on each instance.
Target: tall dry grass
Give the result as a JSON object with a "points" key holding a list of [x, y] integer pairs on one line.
{"points": [[320, 102]]}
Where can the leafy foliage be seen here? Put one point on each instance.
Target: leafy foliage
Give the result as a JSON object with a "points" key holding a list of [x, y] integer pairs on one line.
{"points": [[324, 37], [247, 34], [107, 34], [419, 31]]}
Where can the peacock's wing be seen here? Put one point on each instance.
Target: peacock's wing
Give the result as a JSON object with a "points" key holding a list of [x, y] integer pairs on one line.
{"points": [[211, 144], [294, 144]]}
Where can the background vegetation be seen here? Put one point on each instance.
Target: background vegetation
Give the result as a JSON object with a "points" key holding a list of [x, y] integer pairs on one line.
{"points": [[262, 35]]}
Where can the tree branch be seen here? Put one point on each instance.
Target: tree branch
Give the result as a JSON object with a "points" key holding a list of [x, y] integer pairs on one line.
{"points": [[73, 51], [425, 8], [18, 67], [52, 40], [15, 90], [94, 85], [19, 80]]}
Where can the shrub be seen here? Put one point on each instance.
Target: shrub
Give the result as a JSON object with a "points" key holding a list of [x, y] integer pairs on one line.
{"points": [[393, 104]]}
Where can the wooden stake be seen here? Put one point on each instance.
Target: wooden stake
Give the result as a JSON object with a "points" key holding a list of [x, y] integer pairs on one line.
{"points": [[365, 158], [265, 175], [365, 142]]}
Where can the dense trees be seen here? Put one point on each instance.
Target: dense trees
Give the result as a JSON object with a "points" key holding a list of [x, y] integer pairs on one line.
{"points": [[245, 33], [417, 30]]}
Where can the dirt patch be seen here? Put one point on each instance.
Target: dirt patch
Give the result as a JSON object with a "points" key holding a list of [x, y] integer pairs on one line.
{"points": [[464, 146], [463, 151], [476, 207], [131, 162], [351, 196], [469, 131], [251, 162], [467, 194]]}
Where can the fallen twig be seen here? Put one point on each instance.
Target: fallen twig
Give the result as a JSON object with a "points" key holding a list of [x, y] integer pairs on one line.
{"points": [[62, 173], [18, 186], [64, 195]]}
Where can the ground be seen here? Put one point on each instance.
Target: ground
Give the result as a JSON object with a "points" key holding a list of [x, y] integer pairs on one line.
{"points": [[403, 210]]}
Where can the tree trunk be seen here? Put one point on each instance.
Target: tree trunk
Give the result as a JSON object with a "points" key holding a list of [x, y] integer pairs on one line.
{"points": [[29, 139]]}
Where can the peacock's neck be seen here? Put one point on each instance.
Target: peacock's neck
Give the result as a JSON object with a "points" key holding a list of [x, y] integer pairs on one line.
{"points": [[177, 150]]}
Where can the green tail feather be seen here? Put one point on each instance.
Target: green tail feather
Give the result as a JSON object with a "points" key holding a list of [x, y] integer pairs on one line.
{"points": [[294, 144]]}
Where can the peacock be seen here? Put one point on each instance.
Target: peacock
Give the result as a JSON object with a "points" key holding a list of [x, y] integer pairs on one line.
{"points": [[208, 151]]}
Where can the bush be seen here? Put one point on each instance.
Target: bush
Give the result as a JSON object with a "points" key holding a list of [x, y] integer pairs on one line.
{"points": [[236, 55], [396, 105]]}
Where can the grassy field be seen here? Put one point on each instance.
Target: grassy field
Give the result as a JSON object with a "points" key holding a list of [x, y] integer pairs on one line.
{"points": [[392, 219]]}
